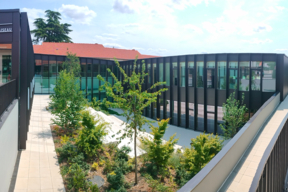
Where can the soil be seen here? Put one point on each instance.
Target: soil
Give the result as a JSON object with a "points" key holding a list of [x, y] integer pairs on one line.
{"points": [[142, 185]]}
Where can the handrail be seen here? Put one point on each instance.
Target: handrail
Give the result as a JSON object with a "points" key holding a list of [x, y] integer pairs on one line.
{"points": [[267, 154], [7, 95], [214, 164]]}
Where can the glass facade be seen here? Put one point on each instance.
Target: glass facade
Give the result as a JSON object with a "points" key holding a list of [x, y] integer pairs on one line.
{"points": [[185, 78], [5, 63]]}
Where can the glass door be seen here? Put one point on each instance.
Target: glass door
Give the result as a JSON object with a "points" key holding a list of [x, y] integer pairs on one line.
{"points": [[256, 79]]}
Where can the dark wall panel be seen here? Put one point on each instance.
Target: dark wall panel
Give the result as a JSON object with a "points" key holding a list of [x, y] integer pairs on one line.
{"points": [[210, 96], [200, 96], [221, 97]]}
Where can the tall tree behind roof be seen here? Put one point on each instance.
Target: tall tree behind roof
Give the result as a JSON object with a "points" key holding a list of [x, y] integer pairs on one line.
{"points": [[51, 30]]}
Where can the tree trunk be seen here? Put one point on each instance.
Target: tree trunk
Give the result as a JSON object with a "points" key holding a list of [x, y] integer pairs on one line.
{"points": [[135, 152]]}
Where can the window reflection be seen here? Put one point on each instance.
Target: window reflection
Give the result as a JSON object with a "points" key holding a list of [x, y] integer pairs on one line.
{"points": [[167, 74], [210, 74], [233, 74], [5, 63], [221, 75], [182, 74], [269, 76], [200, 80], [190, 73], [175, 73], [244, 76]]}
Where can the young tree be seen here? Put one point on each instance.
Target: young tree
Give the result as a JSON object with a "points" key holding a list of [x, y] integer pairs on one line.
{"points": [[51, 30], [72, 64], [159, 152], [234, 116], [68, 100], [132, 99]]}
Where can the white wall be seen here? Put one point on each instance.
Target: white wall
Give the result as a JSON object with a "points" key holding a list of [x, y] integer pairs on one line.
{"points": [[8, 146]]}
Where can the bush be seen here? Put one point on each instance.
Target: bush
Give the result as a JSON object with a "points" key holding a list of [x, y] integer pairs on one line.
{"points": [[80, 160], [122, 153], [68, 150], [203, 148], [159, 152], [182, 176], [233, 116], [67, 102], [95, 166], [76, 178], [175, 159], [64, 139], [93, 188], [123, 166], [108, 167], [116, 180], [90, 137], [157, 185]]}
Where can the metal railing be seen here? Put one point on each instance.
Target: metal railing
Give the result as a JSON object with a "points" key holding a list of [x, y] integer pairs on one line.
{"points": [[271, 172], [7, 95]]}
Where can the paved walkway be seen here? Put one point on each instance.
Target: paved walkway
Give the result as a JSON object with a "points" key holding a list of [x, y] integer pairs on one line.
{"points": [[241, 178], [38, 168]]}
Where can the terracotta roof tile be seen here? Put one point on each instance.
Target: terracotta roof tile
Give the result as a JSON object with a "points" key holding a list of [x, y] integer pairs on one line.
{"points": [[87, 50]]}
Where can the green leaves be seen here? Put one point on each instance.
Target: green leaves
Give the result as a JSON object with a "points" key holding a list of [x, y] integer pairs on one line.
{"points": [[128, 94], [90, 137], [51, 30], [203, 148], [159, 152], [234, 116]]}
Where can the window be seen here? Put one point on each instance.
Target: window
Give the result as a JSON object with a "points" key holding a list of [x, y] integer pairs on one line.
{"points": [[221, 75], [244, 75], [175, 73], [161, 77], [200, 80], [210, 74], [182, 74], [255, 81], [190, 73], [233, 74], [269, 76], [154, 80], [167, 74], [149, 72]]}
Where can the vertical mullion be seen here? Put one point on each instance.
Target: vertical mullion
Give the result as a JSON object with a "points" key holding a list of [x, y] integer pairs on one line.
{"points": [[178, 92], [216, 96], [171, 92], [186, 93], [157, 89], [195, 95], [205, 92]]}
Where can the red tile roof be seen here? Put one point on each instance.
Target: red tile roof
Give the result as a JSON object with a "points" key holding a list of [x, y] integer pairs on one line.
{"points": [[5, 46], [87, 50]]}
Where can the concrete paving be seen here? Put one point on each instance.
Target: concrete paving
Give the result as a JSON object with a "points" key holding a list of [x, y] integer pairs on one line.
{"points": [[38, 168]]}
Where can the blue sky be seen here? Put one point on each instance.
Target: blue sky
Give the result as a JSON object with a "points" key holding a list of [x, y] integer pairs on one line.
{"points": [[171, 27]]}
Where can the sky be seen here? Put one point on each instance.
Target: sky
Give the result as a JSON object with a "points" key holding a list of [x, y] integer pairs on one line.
{"points": [[171, 27]]}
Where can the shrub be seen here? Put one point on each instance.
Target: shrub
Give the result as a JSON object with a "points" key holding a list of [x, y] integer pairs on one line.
{"points": [[175, 159], [123, 166], [101, 162], [203, 148], [233, 116], [182, 176], [93, 188], [95, 166], [80, 160], [67, 102], [122, 153], [159, 152], [116, 180], [108, 167], [68, 150], [64, 139], [90, 137], [76, 178], [156, 185]]}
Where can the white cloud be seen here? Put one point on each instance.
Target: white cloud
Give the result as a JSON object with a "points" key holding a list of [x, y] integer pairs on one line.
{"points": [[258, 41], [125, 6], [262, 28], [109, 35], [114, 45], [193, 28], [32, 15], [104, 38], [274, 9], [281, 50], [81, 14]]}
